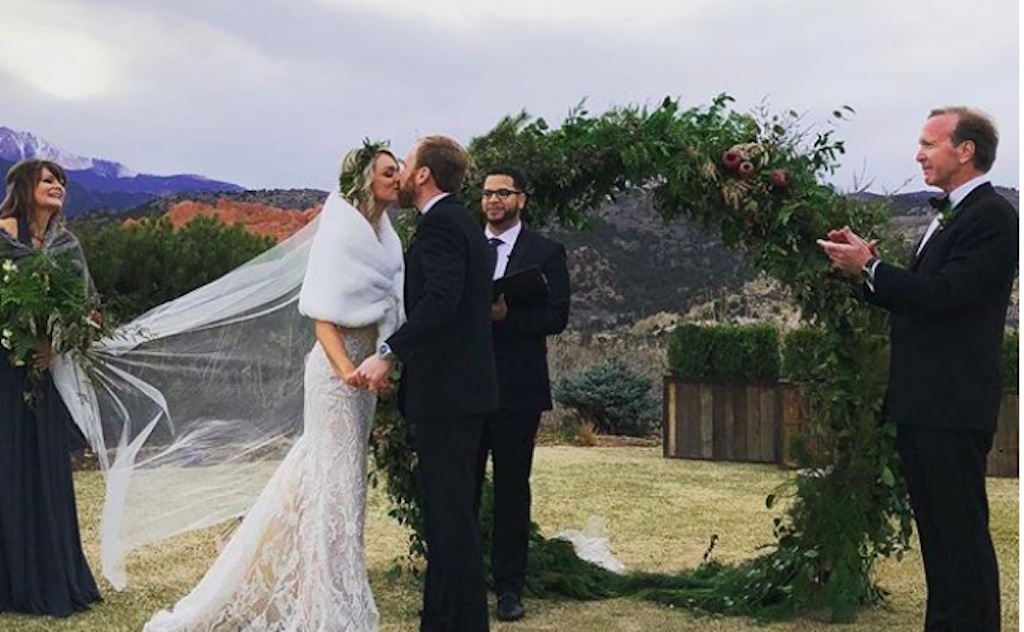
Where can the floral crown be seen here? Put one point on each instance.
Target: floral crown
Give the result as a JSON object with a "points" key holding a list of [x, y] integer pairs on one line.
{"points": [[354, 166]]}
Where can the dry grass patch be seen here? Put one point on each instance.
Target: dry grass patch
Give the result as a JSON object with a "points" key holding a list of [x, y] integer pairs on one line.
{"points": [[659, 514]]}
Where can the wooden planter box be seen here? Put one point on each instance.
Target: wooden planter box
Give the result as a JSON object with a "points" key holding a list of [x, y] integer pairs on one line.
{"points": [[755, 422], [722, 420]]}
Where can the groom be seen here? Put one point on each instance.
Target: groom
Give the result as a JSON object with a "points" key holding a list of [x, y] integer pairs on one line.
{"points": [[448, 378]]}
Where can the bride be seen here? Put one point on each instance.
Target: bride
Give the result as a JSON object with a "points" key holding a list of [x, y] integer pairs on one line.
{"points": [[296, 562]]}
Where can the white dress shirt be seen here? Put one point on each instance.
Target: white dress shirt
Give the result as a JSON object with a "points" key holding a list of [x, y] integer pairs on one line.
{"points": [[508, 242], [956, 196], [431, 202]]}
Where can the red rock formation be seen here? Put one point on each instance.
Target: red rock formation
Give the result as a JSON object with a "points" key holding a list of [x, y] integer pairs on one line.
{"points": [[259, 219]]}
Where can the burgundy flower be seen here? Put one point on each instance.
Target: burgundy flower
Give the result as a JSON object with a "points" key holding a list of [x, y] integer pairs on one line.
{"points": [[731, 159], [746, 169], [779, 177]]}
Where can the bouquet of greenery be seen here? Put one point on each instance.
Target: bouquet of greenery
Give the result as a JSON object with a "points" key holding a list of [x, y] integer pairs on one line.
{"points": [[43, 298]]}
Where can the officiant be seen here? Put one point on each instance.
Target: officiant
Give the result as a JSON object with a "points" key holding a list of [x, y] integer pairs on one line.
{"points": [[531, 303]]}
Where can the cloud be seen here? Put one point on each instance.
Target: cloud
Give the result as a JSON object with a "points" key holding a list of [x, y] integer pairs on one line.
{"points": [[465, 15], [49, 53], [267, 94]]}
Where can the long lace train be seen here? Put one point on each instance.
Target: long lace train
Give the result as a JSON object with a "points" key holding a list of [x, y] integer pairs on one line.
{"points": [[296, 563]]}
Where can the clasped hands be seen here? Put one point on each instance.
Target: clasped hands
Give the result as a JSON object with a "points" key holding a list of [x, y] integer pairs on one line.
{"points": [[371, 375], [848, 251]]}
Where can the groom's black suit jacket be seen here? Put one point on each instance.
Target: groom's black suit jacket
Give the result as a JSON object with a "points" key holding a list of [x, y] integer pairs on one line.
{"points": [[445, 344], [948, 313], [520, 341]]}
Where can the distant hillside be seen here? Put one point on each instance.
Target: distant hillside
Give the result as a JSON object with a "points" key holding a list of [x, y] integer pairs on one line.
{"points": [[630, 264], [763, 299], [257, 218], [281, 199], [626, 267], [98, 184], [916, 203]]}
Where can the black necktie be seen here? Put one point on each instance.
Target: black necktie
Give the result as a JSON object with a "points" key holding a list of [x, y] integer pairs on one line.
{"points": [[495, 242]]}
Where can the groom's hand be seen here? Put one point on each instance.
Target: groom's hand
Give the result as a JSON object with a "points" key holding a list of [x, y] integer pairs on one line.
{"points": [[382, 387], [373, 373]]}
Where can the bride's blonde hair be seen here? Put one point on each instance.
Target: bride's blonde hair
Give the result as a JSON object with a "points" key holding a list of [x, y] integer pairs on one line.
{"points": [[356, 175]]}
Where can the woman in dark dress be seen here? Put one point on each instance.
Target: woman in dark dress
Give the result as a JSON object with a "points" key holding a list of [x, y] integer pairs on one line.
{"points": [[42, 568]]}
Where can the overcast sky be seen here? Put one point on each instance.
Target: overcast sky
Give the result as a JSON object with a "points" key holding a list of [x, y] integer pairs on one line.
{"points": [[270, 93]]}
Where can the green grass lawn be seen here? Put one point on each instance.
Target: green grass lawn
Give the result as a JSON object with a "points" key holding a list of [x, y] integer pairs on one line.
{"points": [[659, 515]]}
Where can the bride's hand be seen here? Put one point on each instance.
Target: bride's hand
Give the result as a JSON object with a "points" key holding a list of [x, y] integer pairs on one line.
{"points": [[352, 378]]}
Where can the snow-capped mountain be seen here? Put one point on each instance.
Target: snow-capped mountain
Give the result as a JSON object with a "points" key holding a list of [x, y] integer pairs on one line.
{"points": [[15, 145], [96, 183]]}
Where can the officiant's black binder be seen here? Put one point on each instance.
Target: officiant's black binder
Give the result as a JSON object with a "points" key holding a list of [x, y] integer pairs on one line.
{"points": [[522, 287]]}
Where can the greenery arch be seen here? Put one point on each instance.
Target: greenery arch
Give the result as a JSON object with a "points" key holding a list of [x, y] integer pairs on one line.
{"points": [[757, 179]]}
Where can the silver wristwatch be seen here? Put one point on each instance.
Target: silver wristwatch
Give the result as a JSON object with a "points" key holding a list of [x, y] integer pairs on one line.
{"points": [[868, 271], [384, 351]]}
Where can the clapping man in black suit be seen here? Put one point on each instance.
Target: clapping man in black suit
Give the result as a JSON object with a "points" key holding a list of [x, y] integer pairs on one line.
{"points": [[948, 312], [448, 377], [520, 350]]}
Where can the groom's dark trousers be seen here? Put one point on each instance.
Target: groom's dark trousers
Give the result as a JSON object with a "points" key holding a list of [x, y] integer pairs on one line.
{"points": [[448, 384], [948, 312]]}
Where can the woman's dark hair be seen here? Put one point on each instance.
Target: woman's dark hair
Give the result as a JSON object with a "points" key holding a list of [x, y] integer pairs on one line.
{"points": [[21, 182]]}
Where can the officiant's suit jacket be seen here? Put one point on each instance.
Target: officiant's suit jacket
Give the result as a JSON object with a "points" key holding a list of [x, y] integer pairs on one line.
{"points": [[520, 341], [446, 344], [948, 311]]}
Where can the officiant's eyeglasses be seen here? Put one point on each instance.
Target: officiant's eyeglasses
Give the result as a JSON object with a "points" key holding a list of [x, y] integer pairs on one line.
{"points": [[501, 194]]}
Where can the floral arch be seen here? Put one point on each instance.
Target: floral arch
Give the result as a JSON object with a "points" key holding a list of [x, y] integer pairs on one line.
{"points": [[758, 180]]}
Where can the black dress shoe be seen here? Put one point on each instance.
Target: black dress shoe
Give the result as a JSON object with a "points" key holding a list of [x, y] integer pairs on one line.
{"points": [[510, 607]]}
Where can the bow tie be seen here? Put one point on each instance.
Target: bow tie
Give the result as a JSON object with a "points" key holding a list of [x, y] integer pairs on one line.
{"points": [[940, 203]]}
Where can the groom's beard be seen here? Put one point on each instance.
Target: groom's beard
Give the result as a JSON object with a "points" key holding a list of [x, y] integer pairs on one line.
{"points": [[407, 195]]}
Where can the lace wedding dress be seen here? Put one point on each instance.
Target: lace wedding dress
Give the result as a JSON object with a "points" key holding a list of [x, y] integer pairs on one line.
{"points": [[296, 562]]}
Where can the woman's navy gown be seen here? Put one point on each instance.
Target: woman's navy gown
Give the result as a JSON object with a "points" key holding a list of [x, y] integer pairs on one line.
{"points": [[42, 567]]}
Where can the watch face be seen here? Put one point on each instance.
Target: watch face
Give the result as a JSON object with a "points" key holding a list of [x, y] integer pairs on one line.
{"points": [[383, 350]]}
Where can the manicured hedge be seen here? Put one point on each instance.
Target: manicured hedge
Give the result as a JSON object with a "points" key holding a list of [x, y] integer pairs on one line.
{"points": [[804, 352], [753, 353], [725, 351]]}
